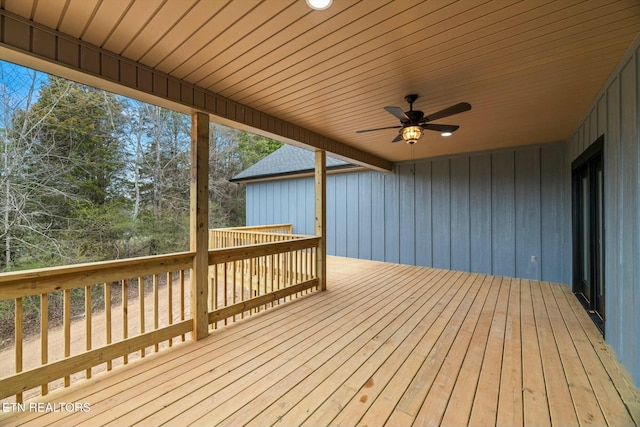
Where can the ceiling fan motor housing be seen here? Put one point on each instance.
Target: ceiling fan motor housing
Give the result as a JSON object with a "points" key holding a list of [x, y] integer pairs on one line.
{"points": [[414, 115]]}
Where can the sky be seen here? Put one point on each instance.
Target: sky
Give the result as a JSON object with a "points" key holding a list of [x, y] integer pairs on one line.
{"points": [[15, 82]]}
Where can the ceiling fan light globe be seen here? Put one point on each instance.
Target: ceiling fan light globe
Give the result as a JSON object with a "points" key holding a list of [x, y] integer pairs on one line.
{"points": [[411, 134]]}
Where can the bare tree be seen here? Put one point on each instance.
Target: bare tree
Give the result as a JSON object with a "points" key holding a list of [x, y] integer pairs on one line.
{"points": [[26, 178], [158, 150]]}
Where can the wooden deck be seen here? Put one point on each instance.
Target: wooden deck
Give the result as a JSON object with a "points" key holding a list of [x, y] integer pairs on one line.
{"points": [[385, 345]]}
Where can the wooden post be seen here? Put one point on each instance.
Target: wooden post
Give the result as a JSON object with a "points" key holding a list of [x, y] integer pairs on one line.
{"points": [[199, 223], [321, 216]]}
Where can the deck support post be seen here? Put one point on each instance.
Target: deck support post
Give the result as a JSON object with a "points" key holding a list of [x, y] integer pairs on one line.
{"points": [[199, 223], [321, 216]]}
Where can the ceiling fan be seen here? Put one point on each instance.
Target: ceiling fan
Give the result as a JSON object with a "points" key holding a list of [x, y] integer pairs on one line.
{"points": [[413, 121]]}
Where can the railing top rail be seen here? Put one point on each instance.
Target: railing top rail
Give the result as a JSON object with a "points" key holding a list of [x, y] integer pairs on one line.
{"points": [[255, 227], [260, 233], [31, 282], [238, 253]]}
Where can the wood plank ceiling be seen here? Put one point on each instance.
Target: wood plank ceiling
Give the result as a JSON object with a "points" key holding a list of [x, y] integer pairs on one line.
{"points": [[531, 68]]}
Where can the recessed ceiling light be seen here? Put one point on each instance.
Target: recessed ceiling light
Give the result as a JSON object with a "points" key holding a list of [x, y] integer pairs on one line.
{"points": [[446, 134], [319, 4]]}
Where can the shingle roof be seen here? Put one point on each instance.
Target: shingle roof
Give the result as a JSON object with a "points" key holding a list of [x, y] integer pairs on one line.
{"points": [[287, 160]]}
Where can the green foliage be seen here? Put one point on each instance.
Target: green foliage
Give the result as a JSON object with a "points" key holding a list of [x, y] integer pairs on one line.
{"points": [[83, 134], [253, 148], [99, 231], [161, 234], [231, 152]]}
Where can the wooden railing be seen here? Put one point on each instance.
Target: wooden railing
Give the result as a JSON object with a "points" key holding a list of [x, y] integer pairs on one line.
{"points": [[111, 312], [251, 267], [245, 278], [111, 291], [240, 236], [271, 228]]}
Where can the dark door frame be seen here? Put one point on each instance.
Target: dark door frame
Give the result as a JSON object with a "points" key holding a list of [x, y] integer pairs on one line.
{"points": [[587, 161]]}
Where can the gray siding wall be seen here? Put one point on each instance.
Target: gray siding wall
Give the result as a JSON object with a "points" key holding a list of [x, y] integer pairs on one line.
{"points": [[615, 114], [500, 213], [286, 201]]}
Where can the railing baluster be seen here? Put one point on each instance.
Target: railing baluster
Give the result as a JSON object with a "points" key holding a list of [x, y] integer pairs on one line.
{"points": [[125, 315], [287, 273], [212, 286], [305, 272], [213, 270], [270, 275], [141, 306], [298, 270], [281, 273], [309, 266], [235, 285], [107, 317], [67, 329], [87, 322], [44, 336], [272, 268], [224, 290], [251, 295], [276, 270], [18, 340], [155, 307], [265, 289], [260, 284], [170, 302], [182, 296], [214, 292], [216, 288], [292, 273], [242, 285], [314, 263]]}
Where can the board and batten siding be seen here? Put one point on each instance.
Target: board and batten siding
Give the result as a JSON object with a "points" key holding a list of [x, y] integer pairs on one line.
{"points": [[495, 213], [615, 114]]}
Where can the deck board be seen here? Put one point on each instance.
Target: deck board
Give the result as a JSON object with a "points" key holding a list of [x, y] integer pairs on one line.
{"points": [[556, 383], [485, 401], [387, 344], [535, 404], [510, 403], [460, 398]]}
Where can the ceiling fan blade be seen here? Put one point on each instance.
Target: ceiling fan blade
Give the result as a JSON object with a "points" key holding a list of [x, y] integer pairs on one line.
{"points": [[398, 138], [397, 111], [449, 111], [440, 128], [373, 130]]}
